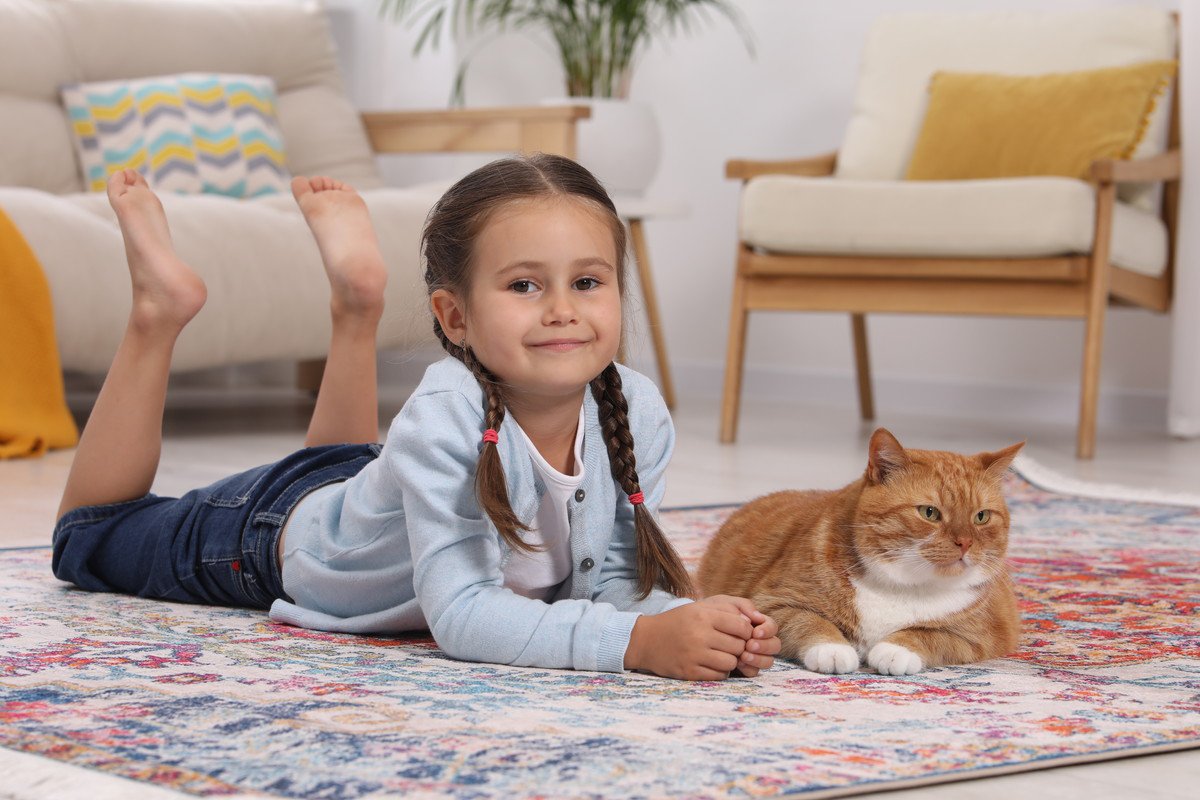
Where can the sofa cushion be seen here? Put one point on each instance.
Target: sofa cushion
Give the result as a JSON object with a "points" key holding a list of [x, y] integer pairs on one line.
{"points": [[47, 43], [903, 51], [996, 218], [983, 125], [35, 59], [190, 133], [267, 295]]}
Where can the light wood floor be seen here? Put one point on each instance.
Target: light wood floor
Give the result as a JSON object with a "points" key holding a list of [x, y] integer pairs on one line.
{"points": [[211, 434]]}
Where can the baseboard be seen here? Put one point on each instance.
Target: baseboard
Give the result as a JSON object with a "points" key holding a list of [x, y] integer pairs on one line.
{"points": [[400, 371], [1056, 404]]}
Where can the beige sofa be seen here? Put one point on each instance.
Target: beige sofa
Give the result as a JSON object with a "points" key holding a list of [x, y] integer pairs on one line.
{"points": [[268, 297]]}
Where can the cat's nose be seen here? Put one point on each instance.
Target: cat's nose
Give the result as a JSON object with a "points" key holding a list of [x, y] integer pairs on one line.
{"points": [[964, 542]]}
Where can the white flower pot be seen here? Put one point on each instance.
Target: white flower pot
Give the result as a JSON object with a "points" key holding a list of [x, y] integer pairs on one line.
{"points": [[620, 143]]}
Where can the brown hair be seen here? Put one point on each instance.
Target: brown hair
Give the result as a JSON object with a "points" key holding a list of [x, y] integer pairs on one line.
{"points": [[451, 229]]}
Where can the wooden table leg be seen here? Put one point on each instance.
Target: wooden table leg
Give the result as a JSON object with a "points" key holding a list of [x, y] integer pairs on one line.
{"points": [[309, 374], [642, 255]]}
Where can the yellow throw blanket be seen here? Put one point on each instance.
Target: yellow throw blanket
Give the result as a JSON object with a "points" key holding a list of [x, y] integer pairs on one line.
{"points": [[33, 405]]}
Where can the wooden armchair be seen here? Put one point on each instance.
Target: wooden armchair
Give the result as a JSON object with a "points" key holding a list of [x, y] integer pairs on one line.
{"points": [[1078, 284]]}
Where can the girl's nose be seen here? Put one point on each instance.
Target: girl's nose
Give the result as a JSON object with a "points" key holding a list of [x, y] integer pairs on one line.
{"points": [[559, 309]]}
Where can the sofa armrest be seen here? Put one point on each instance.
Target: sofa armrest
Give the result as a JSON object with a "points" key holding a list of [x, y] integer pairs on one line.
{"points": [[816, 167], [1165, 167], [522, 129]]}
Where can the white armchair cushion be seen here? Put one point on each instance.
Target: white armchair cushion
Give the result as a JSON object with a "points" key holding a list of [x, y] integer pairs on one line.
{"points": [[999, 218], [903, 51], [267, 295]]}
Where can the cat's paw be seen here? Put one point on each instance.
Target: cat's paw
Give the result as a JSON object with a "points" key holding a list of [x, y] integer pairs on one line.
{"points": [[892, 659], [831, 658]]}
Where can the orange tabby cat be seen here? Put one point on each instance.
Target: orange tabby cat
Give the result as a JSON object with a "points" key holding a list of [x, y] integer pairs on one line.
{"points": [[905, 567]]}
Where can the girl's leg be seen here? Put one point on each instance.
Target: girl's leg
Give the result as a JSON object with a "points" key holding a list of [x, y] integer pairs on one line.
{"points": [[120, 446], [347, 406]]}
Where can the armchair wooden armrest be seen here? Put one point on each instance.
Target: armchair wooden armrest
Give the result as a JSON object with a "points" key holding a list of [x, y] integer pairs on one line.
{"points": [[524, 129], [1165, 167], [816, 167]]}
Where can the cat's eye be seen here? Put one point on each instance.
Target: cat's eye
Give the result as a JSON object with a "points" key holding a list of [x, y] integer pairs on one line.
{"points": [[929, 512], [982, 516]]}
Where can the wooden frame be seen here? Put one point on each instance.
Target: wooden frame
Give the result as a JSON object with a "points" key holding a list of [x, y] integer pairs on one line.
{"points": [[519, 129], [1074, 286], [529, 129]]}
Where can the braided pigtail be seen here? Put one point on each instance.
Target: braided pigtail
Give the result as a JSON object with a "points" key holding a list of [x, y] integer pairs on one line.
{"points": [[490, 485], [657, 561]]}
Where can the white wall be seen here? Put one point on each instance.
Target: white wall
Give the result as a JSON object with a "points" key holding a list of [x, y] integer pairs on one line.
{"points": [[713, 103]]}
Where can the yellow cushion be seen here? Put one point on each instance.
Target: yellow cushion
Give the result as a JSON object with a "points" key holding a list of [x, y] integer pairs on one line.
{"points": [[999, 126]]}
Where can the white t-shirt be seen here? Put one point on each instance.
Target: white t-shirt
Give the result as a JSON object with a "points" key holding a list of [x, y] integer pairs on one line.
{"points": [[536, 574]]}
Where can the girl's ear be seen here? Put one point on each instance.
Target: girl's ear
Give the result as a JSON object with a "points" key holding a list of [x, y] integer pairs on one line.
{"points": [[451, 314]]}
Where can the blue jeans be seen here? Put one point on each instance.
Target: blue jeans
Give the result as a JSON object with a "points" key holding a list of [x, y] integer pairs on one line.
{"points": [[215, 545]]}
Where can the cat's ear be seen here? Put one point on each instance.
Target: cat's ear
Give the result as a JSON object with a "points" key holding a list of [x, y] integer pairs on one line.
{"points": [[886, 456], [996, 463]]}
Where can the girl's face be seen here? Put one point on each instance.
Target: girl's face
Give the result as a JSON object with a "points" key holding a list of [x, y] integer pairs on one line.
{"points": [[545, 305]]}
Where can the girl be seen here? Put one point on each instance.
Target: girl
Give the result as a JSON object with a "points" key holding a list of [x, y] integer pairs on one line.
{"points": [[506, 511]]}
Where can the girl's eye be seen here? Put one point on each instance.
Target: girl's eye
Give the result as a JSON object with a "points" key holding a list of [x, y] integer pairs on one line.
{"points": [[583, 284], [521, 287], [982, 517], [929, 512]]}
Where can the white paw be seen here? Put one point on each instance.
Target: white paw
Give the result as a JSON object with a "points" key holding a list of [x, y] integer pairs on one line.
{"points": [[831, 658], [892, 659]]}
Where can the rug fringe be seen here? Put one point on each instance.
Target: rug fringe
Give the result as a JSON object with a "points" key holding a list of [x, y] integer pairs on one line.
{"points": [[1044, 477], [29, 777]]}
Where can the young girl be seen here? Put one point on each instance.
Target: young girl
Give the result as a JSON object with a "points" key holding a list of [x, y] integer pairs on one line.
{"points": [[506, 511]]}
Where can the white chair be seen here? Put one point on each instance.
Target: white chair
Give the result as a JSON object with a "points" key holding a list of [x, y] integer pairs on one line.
{"points": [[844, 232]]}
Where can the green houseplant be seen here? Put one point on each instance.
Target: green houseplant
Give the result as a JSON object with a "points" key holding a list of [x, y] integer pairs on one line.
{"points": [[598, 41]]}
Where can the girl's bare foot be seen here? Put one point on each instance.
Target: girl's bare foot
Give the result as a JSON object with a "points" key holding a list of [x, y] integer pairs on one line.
{"points": [[166, 292], [341, 224]]}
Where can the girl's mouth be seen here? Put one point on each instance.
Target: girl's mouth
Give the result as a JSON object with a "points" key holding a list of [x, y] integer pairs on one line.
{"points": [[559, 345]]}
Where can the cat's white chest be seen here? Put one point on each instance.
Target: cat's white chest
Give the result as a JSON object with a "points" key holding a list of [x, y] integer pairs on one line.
{"points": [[884, 611]]}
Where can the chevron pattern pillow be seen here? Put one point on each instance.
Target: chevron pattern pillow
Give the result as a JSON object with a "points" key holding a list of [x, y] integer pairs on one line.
{"points": [[191, 133]]}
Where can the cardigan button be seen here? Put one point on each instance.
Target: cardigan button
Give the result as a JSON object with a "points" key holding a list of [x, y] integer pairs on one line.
{"points": [[586, 564], [579, 495]]}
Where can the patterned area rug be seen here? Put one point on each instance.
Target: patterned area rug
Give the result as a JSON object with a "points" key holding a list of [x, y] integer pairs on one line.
{"points": [[220, 701]]}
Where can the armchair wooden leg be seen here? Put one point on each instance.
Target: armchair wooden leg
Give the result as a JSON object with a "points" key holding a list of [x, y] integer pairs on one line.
{"points": [[734, 360], [309, 374], [1097, 305], [1093, 345], [862, 362]]}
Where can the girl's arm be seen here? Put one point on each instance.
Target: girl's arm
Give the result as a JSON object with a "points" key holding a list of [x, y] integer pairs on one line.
{"points": [[456, 553]]}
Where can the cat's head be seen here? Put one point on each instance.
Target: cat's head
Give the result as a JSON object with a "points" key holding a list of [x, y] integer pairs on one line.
{"points": [[929, 517]]}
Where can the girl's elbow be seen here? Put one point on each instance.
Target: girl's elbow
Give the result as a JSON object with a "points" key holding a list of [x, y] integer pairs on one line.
{"points": [[457, 647], [458, 640]]}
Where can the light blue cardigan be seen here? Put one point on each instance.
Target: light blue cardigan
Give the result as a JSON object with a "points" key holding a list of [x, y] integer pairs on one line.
{"points": [[404, 545]]}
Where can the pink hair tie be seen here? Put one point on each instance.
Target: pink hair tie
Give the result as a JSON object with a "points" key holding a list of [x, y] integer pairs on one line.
{"points": [[637, 498], [491, 436]]}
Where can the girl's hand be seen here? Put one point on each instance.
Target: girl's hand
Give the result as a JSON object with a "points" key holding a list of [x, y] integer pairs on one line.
{"points": [[763, 644], [761, 649], [695, 642]]}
